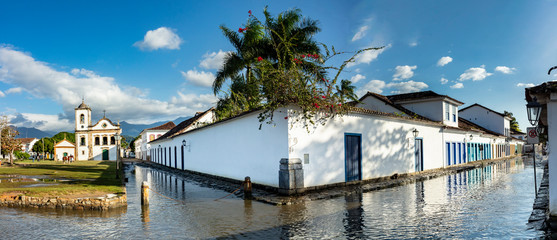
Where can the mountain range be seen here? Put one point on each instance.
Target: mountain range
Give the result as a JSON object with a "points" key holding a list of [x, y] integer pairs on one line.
{"points": [[128, 129]]}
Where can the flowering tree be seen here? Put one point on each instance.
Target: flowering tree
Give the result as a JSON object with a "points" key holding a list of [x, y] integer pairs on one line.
{"points": [[9, 142], [286, 67]]}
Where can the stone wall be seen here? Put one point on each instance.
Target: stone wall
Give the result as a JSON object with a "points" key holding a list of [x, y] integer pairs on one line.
{"points": [[110, 201]]}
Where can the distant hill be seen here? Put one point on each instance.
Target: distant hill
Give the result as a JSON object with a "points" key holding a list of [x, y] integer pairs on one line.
{"points": [[129, 129], [32, 133]]}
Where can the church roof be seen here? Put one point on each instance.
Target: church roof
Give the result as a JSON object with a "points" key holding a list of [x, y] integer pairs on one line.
{"points": [[83, 105]]}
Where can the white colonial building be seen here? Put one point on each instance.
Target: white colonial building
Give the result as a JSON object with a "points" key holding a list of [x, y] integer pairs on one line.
{"points": [[94, 141], [379, 137], [487, 118], [142, 145], [63, 149]]}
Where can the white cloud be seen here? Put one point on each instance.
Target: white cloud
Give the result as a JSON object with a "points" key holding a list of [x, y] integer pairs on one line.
{"points": [[193, 100], [444, 80], [505, 70], [213, 60], [407, 87], [413, 44], [367, 56], [525, 85], [14, 90], [2, 94], [475, 74], [404, 72], [444, 61], [375, 86], [199, 78], [457, 86], [100, 93], [43, 122], [356, 78], [159, 38], [361, 33]]}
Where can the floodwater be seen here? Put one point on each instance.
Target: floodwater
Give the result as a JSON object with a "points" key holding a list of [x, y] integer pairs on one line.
{"points": [[490, 202]]}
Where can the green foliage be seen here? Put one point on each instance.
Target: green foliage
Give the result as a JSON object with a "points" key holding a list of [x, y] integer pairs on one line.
{"points": [[21, 155], [48, 146], [123, 142], [514, 123], [132, 143], [284, 66], [64, 135]]}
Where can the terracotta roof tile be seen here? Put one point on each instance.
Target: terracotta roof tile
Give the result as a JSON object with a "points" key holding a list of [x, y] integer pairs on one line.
{"points": [[167, 126]]}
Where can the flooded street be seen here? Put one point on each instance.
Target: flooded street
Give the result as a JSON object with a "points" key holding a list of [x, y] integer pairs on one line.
{"points": [[490, 202]]}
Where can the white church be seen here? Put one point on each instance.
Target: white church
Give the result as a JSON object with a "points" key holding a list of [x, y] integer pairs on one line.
{"points": [[94, 141]]}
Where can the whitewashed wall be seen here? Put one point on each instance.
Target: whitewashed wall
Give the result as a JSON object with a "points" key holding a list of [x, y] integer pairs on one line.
{"points": [[387, 147], [552, 159], [432, 109], [235, 148], [485, 118]]}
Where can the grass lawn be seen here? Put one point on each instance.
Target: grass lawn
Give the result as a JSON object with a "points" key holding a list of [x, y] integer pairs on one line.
{"points": [[78, 179]]}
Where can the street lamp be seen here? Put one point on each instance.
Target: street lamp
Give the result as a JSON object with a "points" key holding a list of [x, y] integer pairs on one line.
{"points": [[534, 109], [184, 142], [415, 132]]}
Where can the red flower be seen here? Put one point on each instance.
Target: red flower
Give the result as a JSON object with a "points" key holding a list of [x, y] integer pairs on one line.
{"points": [[240, 30], [323, 96], [249, 12], [303, 56], [259, 59], [285, 117], [339, 104]]}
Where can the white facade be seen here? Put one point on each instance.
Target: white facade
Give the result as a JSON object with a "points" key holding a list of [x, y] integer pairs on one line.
{"points": [[233, 149], [488, 119], [237, 148], [137, 148], [146, 137], [94, 142], [63, 149]]}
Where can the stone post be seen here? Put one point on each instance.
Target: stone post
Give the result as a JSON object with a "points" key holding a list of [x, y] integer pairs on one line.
{"points": [[145, 194], [247, 189], [291, 176]]}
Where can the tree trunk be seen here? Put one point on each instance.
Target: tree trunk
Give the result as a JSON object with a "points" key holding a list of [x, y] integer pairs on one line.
{"points": [[12, 158]]}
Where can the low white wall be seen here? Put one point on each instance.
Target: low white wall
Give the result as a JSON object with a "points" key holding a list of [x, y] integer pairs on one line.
{"points": [[387, 147], [235, 149]]}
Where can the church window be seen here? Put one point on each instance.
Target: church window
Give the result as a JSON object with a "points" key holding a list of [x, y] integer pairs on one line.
{"points": [[105, 140], [82, 118], [112, 141], [82, 141], [97, 141], [82, 152]]}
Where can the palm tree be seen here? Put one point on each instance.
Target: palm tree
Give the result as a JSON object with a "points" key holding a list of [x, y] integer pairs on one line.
{"points": [[346, 91], [247, 50]]}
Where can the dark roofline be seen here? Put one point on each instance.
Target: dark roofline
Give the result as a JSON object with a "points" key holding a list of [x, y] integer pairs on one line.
{"points": [[350, 110], [386, 100], [476, 104], [480, 127], [175, 131], [416, 96]]}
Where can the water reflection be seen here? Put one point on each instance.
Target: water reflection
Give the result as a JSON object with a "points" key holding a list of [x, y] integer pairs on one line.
{"points": [[489, 202]]}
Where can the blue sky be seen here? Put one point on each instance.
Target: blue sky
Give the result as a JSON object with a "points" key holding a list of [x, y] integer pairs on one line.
{"points": [[146, 61]]}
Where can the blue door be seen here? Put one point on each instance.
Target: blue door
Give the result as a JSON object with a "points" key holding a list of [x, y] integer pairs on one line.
{"points": [[419, 155], [175, 158], [353, 156], [183, 157], [448, 154]]}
